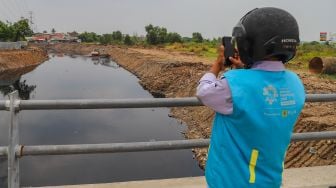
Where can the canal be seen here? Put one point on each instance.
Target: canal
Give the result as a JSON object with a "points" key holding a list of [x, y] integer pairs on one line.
{"points": [[78, 77]]}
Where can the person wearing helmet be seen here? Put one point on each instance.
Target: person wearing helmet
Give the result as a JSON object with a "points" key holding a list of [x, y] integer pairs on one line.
{"points": [[256, 105]]}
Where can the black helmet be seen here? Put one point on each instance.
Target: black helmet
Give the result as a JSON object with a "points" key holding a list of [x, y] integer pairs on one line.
{"points": [[265, 33]]}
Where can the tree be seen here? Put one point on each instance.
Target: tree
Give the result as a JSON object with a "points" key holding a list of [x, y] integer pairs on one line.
{"points": [[89, 37], [15, 32], [45, 31], [5, 32], [117, 36], [53, 31], [197, 37], [128, 40], [151, 35], [73, 34], [173, 37], [106, 39], [155, 35], [186, 39], [21, 29], [138, 39], [162, 35]]}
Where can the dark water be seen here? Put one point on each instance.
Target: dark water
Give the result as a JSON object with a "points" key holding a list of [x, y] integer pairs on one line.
{"points": [[79, 78]]}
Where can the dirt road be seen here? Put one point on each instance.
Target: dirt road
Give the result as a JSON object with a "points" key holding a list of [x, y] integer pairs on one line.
{"points": [[173, 74]]}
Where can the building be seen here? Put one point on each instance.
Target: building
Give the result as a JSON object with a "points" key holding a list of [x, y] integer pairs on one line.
{"points": [[53, 38]]}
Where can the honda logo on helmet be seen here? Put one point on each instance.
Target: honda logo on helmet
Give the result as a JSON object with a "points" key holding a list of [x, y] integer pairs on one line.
{"points": [[288, 40]]}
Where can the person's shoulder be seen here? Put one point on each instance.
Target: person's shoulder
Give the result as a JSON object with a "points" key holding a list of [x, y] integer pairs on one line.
{"points": [[236, 71], [292, 73], [232, 72]]}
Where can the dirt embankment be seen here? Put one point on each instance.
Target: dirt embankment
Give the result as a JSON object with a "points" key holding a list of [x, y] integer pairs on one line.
{"points": [[14, 59], [172, 74], [14, 63]]}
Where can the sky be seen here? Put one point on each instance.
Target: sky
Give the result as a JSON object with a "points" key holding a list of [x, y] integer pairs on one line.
{"points": [[212, 18]]}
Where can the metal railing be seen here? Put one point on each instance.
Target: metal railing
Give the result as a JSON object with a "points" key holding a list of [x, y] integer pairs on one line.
{"points": [[14, 151]]}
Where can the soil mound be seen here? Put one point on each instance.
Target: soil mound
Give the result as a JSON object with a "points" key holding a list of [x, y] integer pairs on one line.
{"points": [[14, 59]]}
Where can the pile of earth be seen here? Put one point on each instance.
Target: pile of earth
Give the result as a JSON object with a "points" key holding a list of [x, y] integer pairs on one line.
{"points": [[15, 59]]}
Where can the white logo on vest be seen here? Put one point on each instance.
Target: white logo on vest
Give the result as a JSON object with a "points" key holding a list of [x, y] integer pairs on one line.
{"points": [[270, 94]]}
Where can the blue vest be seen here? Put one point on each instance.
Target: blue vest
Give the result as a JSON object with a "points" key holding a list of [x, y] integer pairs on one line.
{"points": [[248, 147]]}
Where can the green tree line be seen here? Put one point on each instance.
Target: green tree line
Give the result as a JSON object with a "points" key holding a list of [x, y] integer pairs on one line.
{"points": [[155, 35], [116, 37], [12, 32]]}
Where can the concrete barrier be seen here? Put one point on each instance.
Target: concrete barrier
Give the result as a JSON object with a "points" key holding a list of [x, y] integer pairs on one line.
{"points": [[308, 177], [13, 45]]}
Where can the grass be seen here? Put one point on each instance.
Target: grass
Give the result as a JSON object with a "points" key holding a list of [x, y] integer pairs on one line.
{"points": [[205, 49], [307, 51], [328, 76]]}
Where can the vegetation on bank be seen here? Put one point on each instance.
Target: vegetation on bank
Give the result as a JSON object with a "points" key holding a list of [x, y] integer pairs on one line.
{"points": [[17, 31], [155, 36], [307, 51], [206, 49], [160, 37], [196, 44]]}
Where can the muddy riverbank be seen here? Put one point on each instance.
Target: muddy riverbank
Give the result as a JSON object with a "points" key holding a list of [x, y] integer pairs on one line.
{"points": [[16, 59], [173, 74]]}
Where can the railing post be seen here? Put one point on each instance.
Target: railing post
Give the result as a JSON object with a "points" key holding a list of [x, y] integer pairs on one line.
{"points": [[13, 161]]}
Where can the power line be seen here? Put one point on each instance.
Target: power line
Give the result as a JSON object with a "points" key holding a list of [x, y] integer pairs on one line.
{"points": [[26, 7], [4, 13], [9, 9], [15, 9], [19, 7], [4, 16], [7, 12], [32, 24]]}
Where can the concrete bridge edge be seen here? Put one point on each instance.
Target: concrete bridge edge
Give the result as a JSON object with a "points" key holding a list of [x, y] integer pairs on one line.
{"points": [[308, 177]]}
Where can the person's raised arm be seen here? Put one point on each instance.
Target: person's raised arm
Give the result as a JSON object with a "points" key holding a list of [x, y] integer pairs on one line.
{"points": [[218, 65]]}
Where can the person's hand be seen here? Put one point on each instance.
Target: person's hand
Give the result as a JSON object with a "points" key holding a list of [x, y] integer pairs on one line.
{"points": [[236, 62], [220, 55], [218, 65]]}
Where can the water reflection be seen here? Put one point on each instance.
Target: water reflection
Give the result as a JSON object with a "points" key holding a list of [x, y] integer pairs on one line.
{"points": [[96, 60], [3, 172], [105, 61], [80, 77], [24, 89], [10, 80]]}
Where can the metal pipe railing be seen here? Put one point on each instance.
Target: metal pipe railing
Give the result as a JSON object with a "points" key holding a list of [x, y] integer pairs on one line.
{"points": [[140, 146], [321, 97], [13, 160], [3, 151], [14, 150], [127, 103], [108, 103]]}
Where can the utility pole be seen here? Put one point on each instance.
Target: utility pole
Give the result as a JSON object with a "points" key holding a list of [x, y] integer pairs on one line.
{"points": [[31, 21]]}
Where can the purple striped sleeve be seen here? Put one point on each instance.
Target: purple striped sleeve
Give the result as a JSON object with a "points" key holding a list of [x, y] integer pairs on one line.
{"points": [[215, 94]]}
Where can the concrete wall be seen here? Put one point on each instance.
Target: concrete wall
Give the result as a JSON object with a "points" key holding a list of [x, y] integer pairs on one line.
{"points": [[13, 45]]}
